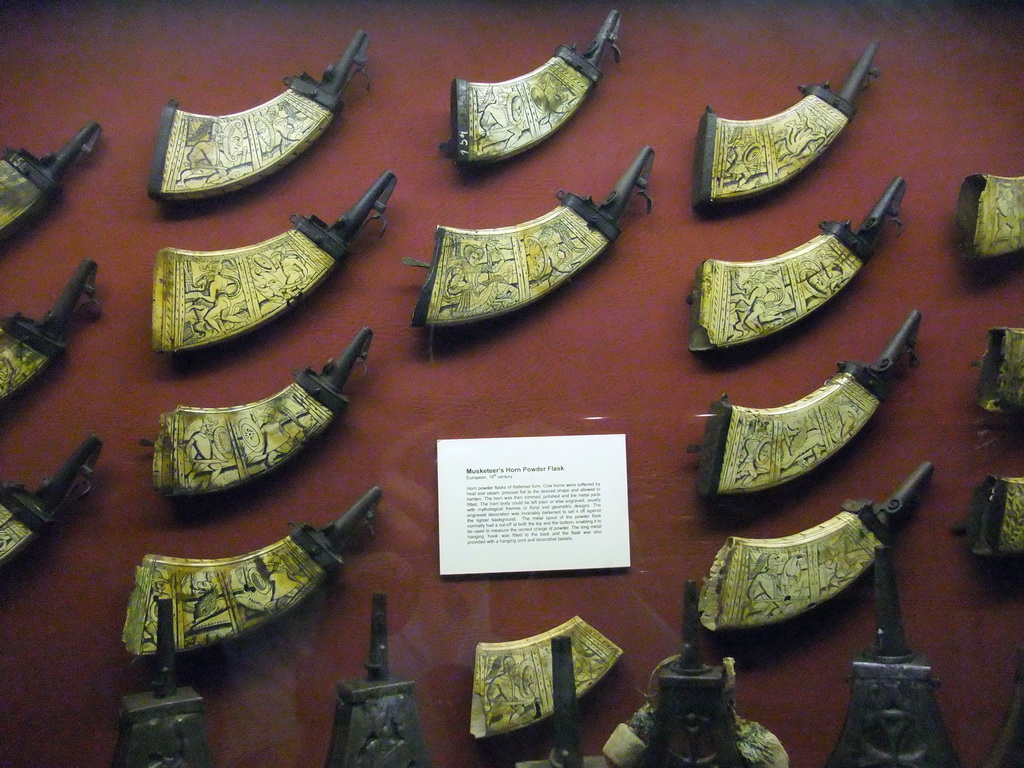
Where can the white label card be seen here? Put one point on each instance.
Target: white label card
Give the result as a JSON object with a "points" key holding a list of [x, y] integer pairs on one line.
{"points": [[511, 504]]}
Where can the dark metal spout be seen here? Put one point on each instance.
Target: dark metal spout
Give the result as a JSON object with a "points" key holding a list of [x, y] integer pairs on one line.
{"points": [[903, 341], [861, 74], [905, 498], [888, 205], [353, 60], [338, 531], [57, 321], [56, 163], [371, 205], [164, 685], [690, 658], [606, 37], [377, 662], [636, 175], [890, 641], [568, 750], [79, 464], [336, 372]]}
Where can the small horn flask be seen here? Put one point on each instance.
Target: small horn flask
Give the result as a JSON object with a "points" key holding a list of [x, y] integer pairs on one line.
{"points": [[164, 726], [893, 717], [376, 720]]}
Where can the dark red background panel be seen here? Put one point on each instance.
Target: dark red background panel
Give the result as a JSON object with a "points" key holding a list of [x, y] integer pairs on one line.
{"points": [[607, 353]]}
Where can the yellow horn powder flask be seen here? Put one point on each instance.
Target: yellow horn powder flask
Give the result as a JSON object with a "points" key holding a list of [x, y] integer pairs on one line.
{"points": [[202, 450], [990, 215], [206, 155], [217, 599], [753, 449], [737, 302], [510, 689], [28, 184], [756, 582], [24, 515], [738, 159], [484, 273], [202, 298], [28, 346], [493, 121]]}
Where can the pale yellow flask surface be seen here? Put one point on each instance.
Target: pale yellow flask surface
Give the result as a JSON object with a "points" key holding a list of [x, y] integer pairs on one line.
{"points": [[753, 449], [217, 599], [485, 273], [736, 302], [511, 680], [738, 159], [202, 450], [206, 155], [202, 298], [493, 121], [990, 215]]}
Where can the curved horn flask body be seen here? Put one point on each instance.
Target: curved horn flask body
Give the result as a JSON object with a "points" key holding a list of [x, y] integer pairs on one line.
{"points": [[477, 274], [28, 183], [509, 679], [995, 524], [990, 215], [24, 515], [737, 159], [756, 582], [201, 298], [493, 121], [201, 450], [753, 449], [738, 302], [760, 448], [29, 346], [217, 599], [1001, 382], [206, 155]]}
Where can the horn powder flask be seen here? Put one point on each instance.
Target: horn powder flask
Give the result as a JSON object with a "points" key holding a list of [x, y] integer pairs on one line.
{"points": [[201, 298], [493, 121], [484, 273], [28, 346], [509, 690], [206, 155], [757, 582], [28, 184], [990, 215], [24, 515], [201, 450], [214, 600], [753, 449], [737, 302], [738, 159]]}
